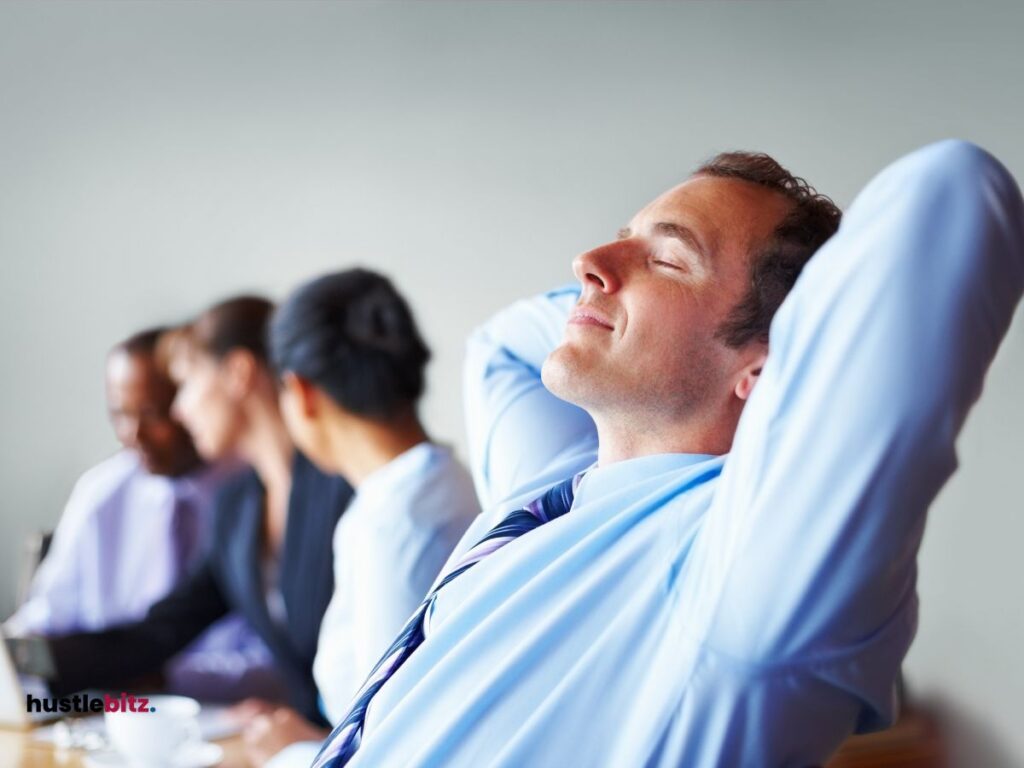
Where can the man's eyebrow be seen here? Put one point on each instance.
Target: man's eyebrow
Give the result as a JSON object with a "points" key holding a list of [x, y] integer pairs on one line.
{"points": [[679, 232]]}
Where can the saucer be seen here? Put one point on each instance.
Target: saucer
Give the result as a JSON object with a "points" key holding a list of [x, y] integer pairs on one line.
{"points": [[202, 755]]}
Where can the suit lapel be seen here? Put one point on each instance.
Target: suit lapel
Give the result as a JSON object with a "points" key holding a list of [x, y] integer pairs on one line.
{"points": [[246, 556], [306, 579]]}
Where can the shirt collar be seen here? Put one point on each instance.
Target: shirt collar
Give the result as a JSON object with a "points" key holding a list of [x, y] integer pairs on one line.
{"points": [[598, 482], [408, 462]]}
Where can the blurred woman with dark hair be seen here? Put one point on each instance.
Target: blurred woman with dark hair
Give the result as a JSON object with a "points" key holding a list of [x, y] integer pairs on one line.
{"points": [[270, 558], [352, 366]]}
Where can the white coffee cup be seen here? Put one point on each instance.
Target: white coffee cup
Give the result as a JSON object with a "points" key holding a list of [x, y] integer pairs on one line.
{"points": [[158, 736]]}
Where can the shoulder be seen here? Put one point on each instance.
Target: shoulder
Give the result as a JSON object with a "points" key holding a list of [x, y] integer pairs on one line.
{"points": [[448, 474], [209, 479], [100, 495], [433, 489], [104, 483], [318, 493], [230, 496], [240, 484], [110, 474]]}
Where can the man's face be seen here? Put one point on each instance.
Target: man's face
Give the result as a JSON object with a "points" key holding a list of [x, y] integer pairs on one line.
{"points": [[139, 403], [641, 341]]}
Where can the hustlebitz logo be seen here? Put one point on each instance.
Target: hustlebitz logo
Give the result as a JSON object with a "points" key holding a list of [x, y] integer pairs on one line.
{"points": [[81, 703]]}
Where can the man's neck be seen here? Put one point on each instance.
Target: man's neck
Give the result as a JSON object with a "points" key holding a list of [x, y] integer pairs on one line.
{"points": [[188, 465], [631, 437]]}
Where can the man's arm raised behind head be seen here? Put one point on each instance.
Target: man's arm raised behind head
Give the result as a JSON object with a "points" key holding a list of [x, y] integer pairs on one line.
{"points": [[519, 433], [808, 555]]}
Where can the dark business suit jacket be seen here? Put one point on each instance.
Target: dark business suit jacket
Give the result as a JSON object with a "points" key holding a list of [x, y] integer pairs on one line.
{"points": [[229, 578]]}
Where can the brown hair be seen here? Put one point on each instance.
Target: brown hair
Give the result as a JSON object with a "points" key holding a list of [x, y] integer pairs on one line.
{"points": [[240, 322], [140, 343], [813, 219]]}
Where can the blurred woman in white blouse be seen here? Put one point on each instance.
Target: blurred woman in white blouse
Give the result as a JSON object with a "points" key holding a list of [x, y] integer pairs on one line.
{"points": [[352, 365]]}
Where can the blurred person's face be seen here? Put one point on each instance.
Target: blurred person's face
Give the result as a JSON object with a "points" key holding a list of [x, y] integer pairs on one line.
{"points": [[139, 400], [642, 338], [209, 402]]}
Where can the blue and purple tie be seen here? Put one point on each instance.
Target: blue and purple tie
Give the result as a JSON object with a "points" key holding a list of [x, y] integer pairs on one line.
{"points": [[345, 739]]}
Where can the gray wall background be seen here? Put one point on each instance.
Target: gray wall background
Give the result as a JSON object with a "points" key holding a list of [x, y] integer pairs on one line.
{"points": [[155, 157]]}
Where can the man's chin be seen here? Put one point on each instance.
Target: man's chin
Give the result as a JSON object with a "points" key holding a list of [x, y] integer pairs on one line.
{"points": [[155, 465], [565, 375]]}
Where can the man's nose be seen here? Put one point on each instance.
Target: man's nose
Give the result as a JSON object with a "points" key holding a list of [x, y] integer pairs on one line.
{"points": [[600, 268]]}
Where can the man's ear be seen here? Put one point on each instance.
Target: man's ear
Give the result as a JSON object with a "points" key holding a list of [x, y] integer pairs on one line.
{"points": [[304, 393], [750, 374]]}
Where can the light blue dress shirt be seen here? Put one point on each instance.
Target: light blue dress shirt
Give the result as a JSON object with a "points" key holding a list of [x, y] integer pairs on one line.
{"points": [[399, 529], [748, 610], [389, 546]]}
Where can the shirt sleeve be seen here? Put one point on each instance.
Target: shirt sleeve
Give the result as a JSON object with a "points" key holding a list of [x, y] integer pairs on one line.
{"points": [[808, 552], [390, 570], [517, 428], [55, 599], [116, 655], [385, 594], [332, 665], [301, 754]]}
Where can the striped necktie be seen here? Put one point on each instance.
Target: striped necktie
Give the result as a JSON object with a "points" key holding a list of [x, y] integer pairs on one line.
{"points": [[185, 534], [345, 739]]}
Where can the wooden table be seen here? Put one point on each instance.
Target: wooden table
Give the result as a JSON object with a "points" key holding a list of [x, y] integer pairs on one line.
{"points": [[914, 742], [19, 750]]}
